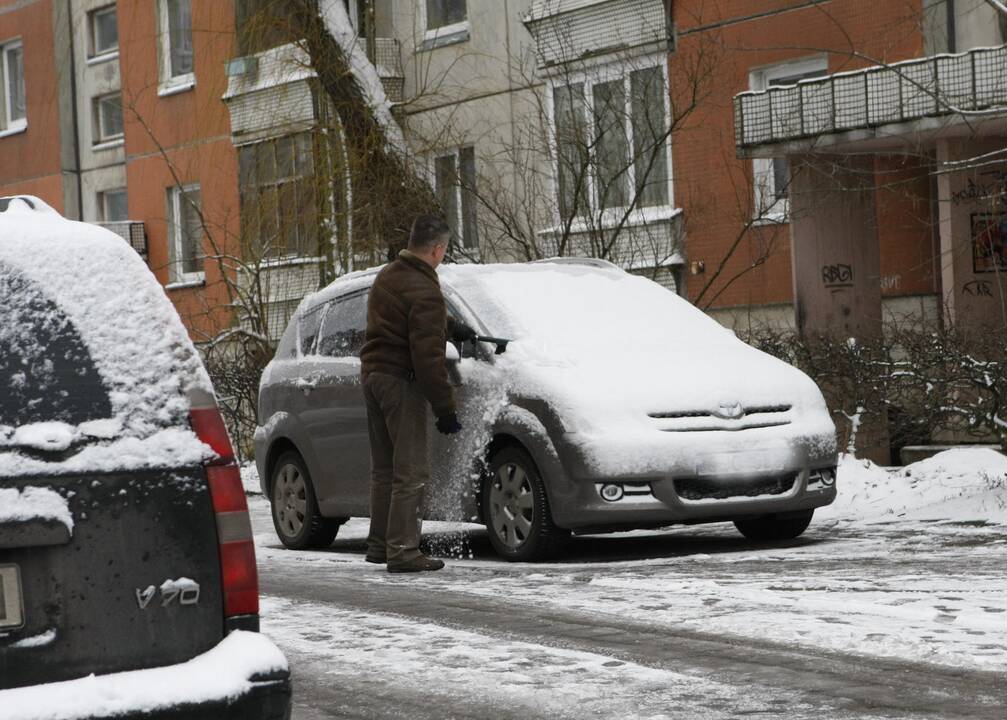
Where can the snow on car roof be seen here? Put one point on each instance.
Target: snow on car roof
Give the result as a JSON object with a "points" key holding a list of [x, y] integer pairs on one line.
{"points": [[136, 340]]}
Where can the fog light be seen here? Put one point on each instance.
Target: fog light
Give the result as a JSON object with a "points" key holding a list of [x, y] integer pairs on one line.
{"points": [[611, 492]]}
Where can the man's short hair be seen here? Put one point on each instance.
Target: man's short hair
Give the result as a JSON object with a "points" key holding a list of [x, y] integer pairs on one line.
{"points": [[427, 231]]}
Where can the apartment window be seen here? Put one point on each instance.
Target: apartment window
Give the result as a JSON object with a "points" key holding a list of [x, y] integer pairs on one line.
{"points": [[176, 43], [279, 204], [445, 22], [12, 113], [445, 13], [185, 234], [104, 28], [108, 118], [264, 24], [455, 185], [772, 175], [113, 205], [612, 142]]}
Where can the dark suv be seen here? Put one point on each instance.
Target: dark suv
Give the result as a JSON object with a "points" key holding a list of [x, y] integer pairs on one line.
{"points": [[128, 582]]}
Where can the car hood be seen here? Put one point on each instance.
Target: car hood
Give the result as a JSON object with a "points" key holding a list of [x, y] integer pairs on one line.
{"points": [[656, 403]]}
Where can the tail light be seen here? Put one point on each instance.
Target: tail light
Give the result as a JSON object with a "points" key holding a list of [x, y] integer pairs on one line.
{"points": [[238, 571]]}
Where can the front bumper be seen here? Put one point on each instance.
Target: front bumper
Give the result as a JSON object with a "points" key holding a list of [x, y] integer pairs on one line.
{"points": [[660, 501], [245, 677]]}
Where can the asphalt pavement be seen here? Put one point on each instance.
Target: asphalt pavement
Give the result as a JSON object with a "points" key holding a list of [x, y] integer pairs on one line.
{"points": [[850, 621]]}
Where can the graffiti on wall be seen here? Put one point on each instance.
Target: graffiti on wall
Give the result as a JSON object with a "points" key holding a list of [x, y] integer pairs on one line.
{"points": [[891, 282], [989, 242], [978, 288], [991, 186], [837, 276]]}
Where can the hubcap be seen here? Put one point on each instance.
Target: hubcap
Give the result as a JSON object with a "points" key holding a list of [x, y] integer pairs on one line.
{"points": [[290, 503], [512, 505]]}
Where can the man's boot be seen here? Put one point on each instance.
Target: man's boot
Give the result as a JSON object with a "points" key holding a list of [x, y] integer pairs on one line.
{"points": [[418, 564]]}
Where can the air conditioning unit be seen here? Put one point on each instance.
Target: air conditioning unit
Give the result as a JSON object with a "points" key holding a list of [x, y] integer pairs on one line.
{"points": [[132, 231]]}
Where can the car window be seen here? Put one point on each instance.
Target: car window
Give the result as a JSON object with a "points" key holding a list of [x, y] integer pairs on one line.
{"points": [[287, 347], [343, 328], [46, 370], [307, 329]]}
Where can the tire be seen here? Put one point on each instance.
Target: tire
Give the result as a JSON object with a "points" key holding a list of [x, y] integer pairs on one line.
{"points": [[296, 517], [774, 527], [515, 508]]}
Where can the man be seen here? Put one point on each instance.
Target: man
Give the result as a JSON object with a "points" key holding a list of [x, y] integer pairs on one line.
{"points": [[403, 370]]}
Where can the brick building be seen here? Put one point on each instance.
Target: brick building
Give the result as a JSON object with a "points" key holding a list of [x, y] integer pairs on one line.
{"points": [[858, 99], [112, 114], [542, 125]]}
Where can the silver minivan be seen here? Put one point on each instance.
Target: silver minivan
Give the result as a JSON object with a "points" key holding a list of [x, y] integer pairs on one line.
{"points": [[615, 405]]}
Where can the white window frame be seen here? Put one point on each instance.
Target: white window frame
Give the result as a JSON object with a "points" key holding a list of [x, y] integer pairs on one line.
{"points": [[170, 84], [9, 125], [589, 78], [431, 36], [95, 55], [455, 152], [768, 207], [175, 226], [103, 203], [101, 140]]}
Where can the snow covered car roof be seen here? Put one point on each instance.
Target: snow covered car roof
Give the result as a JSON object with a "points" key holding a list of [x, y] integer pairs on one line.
{"points": [[90, 346]]}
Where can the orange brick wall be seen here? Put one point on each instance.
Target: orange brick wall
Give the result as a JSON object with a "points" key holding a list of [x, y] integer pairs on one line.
{"points": [[716, 51], [30, 161], [182, 138]]}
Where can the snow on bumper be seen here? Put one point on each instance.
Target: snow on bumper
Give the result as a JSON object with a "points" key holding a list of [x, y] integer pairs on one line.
{"points": [[242, 665]]}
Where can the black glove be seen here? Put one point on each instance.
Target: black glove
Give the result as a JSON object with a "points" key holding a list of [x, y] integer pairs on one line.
{"points": [[448, 425], [463, 333]]}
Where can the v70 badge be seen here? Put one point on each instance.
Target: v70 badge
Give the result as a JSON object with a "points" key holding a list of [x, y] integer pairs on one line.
{"points": [[183, 590]]}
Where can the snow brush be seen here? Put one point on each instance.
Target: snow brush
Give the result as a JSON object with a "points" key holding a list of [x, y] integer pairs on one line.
{"points": [[501, 343]]}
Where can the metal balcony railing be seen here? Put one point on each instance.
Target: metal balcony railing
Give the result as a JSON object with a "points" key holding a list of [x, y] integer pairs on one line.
{"points": [[388, 63], [132, 231], [911, 90]]}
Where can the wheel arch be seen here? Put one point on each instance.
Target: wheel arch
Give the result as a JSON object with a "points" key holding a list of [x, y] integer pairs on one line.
{"points": [[278, 447]]}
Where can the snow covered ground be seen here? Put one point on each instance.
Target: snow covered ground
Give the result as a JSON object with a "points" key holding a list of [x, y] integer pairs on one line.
{"points": [[905, 571]]}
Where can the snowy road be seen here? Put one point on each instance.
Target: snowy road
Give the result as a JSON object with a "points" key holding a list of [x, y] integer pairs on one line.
{"points": [[891, 617]]}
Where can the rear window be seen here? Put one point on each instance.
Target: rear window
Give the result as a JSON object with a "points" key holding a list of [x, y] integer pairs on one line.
{"points": [[46, 371], [307, 329]]}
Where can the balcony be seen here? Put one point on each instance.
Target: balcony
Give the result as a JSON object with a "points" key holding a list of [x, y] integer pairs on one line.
{"points": [[132, 231], [852, 104], [388, 63]]}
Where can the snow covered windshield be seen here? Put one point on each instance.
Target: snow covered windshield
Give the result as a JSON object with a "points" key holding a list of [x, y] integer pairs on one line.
{"points": [[49, 372], [583, 313]]}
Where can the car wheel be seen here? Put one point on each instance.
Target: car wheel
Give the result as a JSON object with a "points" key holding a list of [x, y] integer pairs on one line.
{"points": [[516, 509], [775, 527], [296, 517]]}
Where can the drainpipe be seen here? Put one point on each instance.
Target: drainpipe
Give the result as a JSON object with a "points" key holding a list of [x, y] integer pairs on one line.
{"points": [[73, 112], [952, 31], [669, 24]]}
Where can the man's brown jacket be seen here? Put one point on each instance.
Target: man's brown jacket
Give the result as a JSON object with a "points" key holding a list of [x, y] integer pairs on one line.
{"points": [[407, 330]]}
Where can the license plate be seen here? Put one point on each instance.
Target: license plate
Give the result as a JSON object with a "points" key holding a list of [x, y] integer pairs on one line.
{"points": [[11, 610], [734, 463]]}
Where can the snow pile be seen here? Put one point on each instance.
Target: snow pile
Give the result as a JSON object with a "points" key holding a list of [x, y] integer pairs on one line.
{"points": [[221, 673], [172, 447], [58, 436], [85, 286], [34, 503], [250, 479], [965, 484], [608, 349]]}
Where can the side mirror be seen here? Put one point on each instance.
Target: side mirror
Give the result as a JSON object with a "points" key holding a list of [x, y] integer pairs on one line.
{"points": [[451, 353]]}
